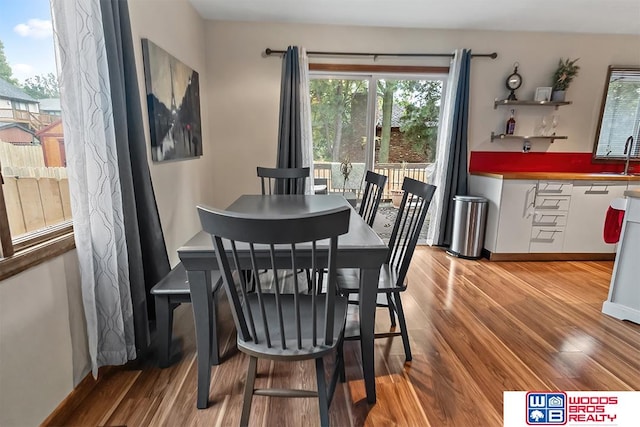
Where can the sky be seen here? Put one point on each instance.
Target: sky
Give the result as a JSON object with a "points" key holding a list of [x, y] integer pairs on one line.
{"points": [[25, 30]]}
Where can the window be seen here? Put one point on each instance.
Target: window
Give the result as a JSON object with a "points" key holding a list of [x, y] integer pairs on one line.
{"points": [[620, 115], [34, 198], [386, 122]]}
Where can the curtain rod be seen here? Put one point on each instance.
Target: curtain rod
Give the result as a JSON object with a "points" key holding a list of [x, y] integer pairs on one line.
{"points": [[493, 55]]}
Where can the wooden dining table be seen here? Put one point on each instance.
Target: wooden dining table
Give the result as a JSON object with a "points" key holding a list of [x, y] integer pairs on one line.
{"points": [[360, 248]]}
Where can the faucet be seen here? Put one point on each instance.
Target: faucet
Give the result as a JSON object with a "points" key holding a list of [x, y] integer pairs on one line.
{"points": [[627, 150]]}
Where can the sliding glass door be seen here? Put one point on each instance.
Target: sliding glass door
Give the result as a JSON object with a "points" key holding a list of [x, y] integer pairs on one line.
{"points": [[381, 122]]}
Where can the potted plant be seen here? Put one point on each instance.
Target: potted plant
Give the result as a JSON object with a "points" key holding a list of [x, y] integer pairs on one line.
{"points": [[565, 73], [396, 197]]}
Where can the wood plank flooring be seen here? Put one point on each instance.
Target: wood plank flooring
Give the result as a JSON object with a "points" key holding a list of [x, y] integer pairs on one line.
{"points": [[477, 328]]}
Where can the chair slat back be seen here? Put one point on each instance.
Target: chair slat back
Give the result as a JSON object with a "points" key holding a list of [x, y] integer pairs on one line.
{"points": [[283, 180], [406, 229], [373, 190], [255, 243]]}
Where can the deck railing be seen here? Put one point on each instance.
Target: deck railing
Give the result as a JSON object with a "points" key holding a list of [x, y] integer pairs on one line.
{"points": [[395, 173], [36, 120]]}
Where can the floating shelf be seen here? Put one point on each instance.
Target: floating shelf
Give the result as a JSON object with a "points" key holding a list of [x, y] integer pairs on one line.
{"points": [[555, 104], [495, 136]]}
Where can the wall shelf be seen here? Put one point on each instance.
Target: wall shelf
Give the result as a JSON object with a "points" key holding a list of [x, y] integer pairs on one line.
{"points": [[495, 136], [556, 104]]}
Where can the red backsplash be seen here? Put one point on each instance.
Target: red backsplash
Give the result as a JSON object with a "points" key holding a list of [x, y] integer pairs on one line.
{"points": [[509, 161]]}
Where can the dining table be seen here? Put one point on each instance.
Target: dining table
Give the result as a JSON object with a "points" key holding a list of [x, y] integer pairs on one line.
{"points": [[359, 248]]}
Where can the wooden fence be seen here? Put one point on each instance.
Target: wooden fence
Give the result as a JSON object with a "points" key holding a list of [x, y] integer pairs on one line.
{"points": [[395, 173], [36, 197], [21, 156], [35, 203]]}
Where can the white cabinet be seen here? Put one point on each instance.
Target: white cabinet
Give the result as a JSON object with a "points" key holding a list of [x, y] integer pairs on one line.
{"points": [[563, 217], [510, 213], [515, 216], [624, 292], [589, 203], [550, 217]]}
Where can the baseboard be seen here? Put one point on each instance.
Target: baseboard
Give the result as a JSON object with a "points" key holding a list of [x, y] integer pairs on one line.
{"points": [[548, 256], [621, 312], [75, 398]]}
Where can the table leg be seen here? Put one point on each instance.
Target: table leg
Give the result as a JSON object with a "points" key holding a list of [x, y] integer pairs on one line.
{"points": [[202, 304], [368, 282]]}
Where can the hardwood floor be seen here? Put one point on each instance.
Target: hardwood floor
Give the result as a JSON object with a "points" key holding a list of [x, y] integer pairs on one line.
{"points": [[477, 328]]}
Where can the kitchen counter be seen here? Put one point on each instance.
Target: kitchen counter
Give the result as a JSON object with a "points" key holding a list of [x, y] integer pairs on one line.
{"points": [[569, 176], [624, 292]]}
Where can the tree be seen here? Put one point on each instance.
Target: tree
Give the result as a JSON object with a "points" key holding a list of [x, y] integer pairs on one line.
{"points": [[5, 69], [419, 124], [386, 89], [331, 109], [42, 86]]}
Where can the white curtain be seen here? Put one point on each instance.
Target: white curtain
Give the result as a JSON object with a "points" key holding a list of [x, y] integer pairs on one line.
{"points": [[443, 147], [305, 118], [94, 182]]}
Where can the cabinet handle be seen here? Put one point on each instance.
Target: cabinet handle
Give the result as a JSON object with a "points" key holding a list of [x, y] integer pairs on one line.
{"points": [[596, 192], [541, 240], [548, 207], [549, 191], [529, 202], [545, 224]]}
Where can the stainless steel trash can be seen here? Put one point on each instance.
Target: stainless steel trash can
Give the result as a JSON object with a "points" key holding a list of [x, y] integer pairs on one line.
{"points": [[469, 221]]}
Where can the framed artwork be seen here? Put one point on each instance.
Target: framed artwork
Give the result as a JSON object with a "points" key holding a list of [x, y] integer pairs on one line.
{"points": [[543, 94], [173, 102]]}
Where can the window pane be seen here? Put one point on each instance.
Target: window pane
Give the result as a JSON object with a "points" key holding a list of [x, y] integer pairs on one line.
{"points": [[32, 153], [339, 123], [621, 116], [407, 118]]}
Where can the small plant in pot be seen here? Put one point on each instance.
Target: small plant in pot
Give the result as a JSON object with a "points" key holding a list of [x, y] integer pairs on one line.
{"points": [[563, 76]]}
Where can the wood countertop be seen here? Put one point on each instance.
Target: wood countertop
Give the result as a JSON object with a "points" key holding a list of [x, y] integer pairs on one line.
{"points": [[569, 176]]}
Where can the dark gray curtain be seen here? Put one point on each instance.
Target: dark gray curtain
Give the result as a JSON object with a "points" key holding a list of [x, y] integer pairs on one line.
{"points": [[289, 133], [148, 261], [456, 179]]}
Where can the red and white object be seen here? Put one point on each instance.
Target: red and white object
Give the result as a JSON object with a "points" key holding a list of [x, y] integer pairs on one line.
{"points": [[613, 221]]}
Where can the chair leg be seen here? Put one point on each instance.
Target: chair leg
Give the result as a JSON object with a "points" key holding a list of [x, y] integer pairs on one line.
{"points": [[248, 391], [164, 322], [322, 393], [392, 314], [215, 351], [340, 361], [403, 326]]}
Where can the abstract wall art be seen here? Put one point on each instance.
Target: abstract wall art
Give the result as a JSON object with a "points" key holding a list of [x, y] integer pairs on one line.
{"points": [[173, 101]]}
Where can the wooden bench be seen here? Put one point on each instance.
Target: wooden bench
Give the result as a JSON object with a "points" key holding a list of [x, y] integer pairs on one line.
{"points": [[169, 293]]}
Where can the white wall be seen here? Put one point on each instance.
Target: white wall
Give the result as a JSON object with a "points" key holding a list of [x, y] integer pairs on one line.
{"points": [[244, 86], [179, 185], [42, 340]]}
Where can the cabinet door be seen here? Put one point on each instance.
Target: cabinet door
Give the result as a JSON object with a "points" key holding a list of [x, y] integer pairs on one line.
{"points": [[516, 214], [585, 224]]}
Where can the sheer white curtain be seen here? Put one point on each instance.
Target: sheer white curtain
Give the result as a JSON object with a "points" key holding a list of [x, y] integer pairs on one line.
{"points": [[94, 182], [305, 118], [443, 147]]}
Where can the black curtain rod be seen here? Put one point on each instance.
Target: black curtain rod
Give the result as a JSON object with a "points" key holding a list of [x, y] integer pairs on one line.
{"points": [[493, 55]]}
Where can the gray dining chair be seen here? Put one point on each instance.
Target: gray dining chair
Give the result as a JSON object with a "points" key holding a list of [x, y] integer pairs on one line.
{"points": [[283, 180], [276, 326], [404, 238], [373, 189]]}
